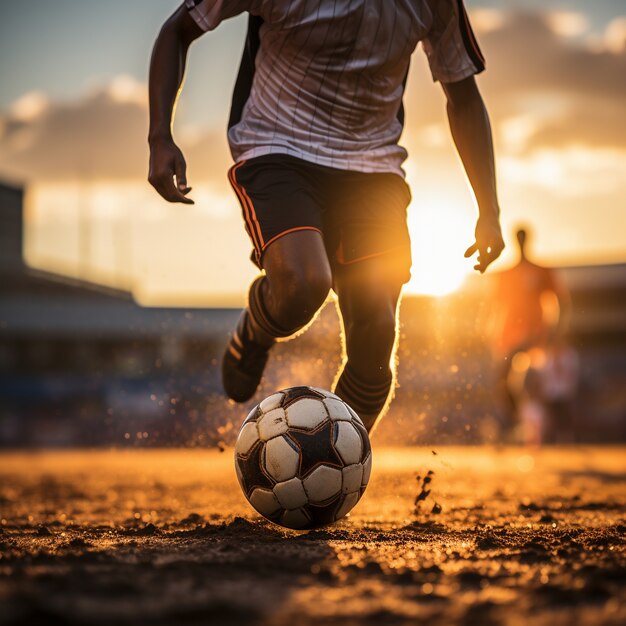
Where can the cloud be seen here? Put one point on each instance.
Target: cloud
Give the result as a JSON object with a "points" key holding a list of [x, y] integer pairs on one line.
{"points": [[568, 172], [101, 135], [29, 107], [615, 35], [487, 19], [539, 66], [549, 85], [528, 54], [568, 23]]}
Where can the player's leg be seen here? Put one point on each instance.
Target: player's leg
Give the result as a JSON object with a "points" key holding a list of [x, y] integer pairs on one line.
{"points": [[282, 219], [371, 263], [281, 302], [368, 301], [296, 283]]}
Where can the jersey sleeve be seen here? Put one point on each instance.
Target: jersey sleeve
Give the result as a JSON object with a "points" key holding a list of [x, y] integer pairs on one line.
{"points": [[450, 45], [208, 14]]}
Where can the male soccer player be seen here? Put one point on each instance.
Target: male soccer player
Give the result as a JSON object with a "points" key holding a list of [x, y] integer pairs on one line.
{"points": [[314, 127]]}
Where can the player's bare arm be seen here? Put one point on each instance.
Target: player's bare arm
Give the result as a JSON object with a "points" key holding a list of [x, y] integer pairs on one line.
{"points": [[471, 131], [167, 68]]}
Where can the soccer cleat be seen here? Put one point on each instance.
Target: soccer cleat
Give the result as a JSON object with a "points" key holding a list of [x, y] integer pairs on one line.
{"points": [[243, 363]]}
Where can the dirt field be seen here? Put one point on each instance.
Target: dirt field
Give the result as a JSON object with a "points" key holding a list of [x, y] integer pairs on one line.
{"points": [[165, 537]]}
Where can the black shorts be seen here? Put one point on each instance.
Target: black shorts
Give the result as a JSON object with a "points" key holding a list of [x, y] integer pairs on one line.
{"points": [[360, 215]]}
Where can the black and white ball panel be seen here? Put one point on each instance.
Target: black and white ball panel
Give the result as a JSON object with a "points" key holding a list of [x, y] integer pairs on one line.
{"points": [[282, 458], [272, 424], [291, 494], [303, 457], [296, 393], [347, 442], [271, 402], [351, 478]]}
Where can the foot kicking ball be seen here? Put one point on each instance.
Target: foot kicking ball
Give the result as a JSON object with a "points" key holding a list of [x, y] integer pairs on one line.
{"points": [[303, 458]]}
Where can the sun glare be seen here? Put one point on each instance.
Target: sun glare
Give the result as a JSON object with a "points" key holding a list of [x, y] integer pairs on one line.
{"points": [[440, 235]]}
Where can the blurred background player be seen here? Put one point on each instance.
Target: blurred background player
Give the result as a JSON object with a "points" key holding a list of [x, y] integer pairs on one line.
{"points": [[314, 127], [534, 364]]}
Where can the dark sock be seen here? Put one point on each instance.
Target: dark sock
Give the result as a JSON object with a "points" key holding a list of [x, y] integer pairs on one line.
{"points": [[366, 398]]}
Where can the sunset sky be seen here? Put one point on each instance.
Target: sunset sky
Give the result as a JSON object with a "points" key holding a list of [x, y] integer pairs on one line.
{"points": [[73, 123]]}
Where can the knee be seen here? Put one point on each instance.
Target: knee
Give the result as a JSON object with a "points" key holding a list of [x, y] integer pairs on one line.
{"points": [[298, 292]]}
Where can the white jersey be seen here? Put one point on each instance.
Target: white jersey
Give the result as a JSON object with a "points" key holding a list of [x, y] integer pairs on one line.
{"points": [[323, 80]]}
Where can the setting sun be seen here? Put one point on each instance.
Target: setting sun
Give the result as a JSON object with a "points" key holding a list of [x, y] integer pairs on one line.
{"points": [[440, 234]]}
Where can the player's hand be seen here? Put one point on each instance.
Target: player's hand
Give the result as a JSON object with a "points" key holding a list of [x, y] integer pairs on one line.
{"points": [[489, 243], [168, 171]]}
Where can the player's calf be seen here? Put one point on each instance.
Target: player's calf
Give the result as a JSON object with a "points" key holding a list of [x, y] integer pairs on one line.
{"points": [[294, 305], [281, 302], [369, 315]]}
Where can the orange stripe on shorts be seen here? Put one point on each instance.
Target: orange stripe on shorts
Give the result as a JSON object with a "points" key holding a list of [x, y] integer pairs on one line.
{"points": [[254, 228]]}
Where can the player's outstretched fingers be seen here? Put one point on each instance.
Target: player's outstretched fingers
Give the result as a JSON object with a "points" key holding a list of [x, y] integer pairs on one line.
{"points": [[489, 243], [166, 164], [471, 250], [493, 252], [180, 168], [488, 255], [164, 184]]}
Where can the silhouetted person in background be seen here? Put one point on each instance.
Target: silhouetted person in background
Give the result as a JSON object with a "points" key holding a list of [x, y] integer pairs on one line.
{"points": [[559, 378], [530, 313]]}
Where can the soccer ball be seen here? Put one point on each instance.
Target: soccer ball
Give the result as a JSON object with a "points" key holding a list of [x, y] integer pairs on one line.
{"points": [[303, 457]]}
